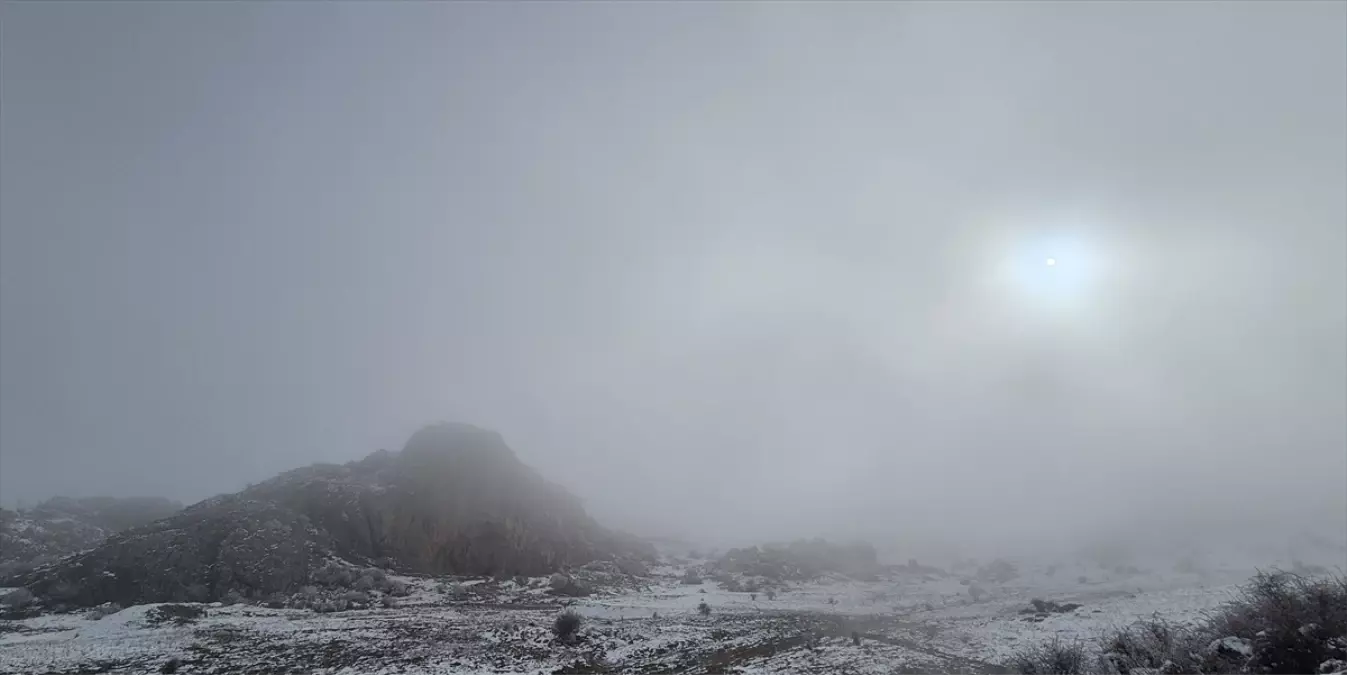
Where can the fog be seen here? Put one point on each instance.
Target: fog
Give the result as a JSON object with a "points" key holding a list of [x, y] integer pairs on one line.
{"points": [[726, 271]]}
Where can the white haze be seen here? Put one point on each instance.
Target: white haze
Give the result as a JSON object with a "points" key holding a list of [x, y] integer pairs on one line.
{"points": [[732, 271]]}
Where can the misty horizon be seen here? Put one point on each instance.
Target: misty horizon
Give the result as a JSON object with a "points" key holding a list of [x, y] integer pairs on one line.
{"points": [[969, 275]]}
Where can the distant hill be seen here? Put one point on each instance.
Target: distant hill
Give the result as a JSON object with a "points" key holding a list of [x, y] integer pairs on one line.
{"points": [[455, 500], [62, 525]]}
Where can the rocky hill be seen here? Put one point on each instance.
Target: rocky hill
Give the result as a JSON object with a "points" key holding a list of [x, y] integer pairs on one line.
{"points": [[455, 500], [61, 526], [800, 560]]}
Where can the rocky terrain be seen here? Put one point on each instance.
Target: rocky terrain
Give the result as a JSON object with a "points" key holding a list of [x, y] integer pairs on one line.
{"points": [[455, 500], [452, 556], [898, 620], [61, 526]]}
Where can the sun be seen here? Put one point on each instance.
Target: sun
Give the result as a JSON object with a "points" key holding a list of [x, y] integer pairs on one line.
{"points": [[1051, 271]]}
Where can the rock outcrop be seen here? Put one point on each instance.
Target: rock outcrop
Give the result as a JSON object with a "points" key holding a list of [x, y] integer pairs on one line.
{"points": [[223, 544], [455, 500], [61, 526]]}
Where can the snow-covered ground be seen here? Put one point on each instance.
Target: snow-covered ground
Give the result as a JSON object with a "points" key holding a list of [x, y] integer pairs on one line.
{"points": [[904, 622]]}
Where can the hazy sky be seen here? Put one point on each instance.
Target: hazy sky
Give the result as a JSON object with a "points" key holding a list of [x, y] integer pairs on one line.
{"points": [[718, 268]]}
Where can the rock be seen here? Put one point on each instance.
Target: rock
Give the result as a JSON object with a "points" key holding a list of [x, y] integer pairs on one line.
{"points": [[1231, 645], [227, 544], [1333, 667], [455, 500], [60, 526]]}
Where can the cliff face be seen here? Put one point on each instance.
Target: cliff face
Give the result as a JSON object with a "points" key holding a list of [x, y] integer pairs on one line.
{"points": [[455, 500]]}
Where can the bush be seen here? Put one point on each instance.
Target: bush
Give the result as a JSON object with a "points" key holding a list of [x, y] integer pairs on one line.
{"points": [[233, 597], [179, 614], [567, 586], [1291, 620], [397, 588], [1279, 623], [691, 578], [704, 609], [388, 602], [1155, 645], [308, 596], [334, 574], [566, 625], [1041, 606], [1054, 658]]}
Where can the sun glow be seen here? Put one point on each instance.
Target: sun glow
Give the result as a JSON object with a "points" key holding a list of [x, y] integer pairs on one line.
{"points": [[1059, 271]]}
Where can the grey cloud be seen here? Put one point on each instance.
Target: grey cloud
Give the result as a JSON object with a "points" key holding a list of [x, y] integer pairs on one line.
{"points": [[729, 269]]}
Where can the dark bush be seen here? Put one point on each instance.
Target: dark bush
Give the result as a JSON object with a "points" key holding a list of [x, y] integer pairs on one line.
{"points": [[1153, 645], [691, 578], [179, 614], [1049, 607], [1279, 623], [1057, 657], [566, 625], [704, 609], [1291, 620], [568, 587]]}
